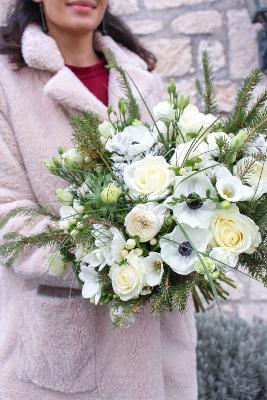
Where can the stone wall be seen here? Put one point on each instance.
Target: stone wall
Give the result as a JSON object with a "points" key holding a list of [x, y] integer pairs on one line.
{"points": [[177, 31]]}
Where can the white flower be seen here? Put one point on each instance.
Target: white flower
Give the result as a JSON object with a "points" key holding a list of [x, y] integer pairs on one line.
{"points": [[57, 265], [92, 287], [128, 280], [153, 269], [177, 251], [164, 110], [67, 214], [192, 121], [256, 177], [71, 156], [118, 243], [212, 142], [232, 189], [189, 151], [145, 220], [106, 129], [149, 177], [97, 258], [195, 213], [234, 231], [132, 141], [223, 258], [259, 145]]}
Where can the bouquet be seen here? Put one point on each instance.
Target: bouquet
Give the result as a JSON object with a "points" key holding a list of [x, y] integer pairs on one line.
{"points": [[158, 212]]}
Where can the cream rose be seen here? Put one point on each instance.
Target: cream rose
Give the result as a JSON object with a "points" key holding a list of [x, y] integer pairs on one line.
{"points": [[145, 220], [234, 231], [128, 280], [149, 177]]}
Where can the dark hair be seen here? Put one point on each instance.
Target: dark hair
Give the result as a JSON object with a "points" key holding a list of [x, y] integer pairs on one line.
{"points": [[25, 12]]}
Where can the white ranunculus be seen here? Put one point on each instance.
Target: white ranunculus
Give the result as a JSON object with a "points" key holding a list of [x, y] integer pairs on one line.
{"points": [[153, 269], [178, 252], [71, 156], [128, 280], [212, 142], [257, 176], [198, 212], [164, 110], [234, 231], [232, 189], [106, 129], [92, 287], [145, 220], [223, 258], [149, 177], [133, 141], [189, 151], [192, 121]]}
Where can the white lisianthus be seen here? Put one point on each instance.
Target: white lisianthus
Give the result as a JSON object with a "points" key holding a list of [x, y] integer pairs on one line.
{"points": [[223, 258], [189, 151], [232, 189], [161, 127], [106, 129], [164, 110], [153, 269], [64, 196], [212, 142], [133, 141], [72, 156], [256, 178], [145, 220], [178, 252], [197, 212], [92, 287], [192, 121], [234, 231], [57, 265], [128, 280], [151, 177]]}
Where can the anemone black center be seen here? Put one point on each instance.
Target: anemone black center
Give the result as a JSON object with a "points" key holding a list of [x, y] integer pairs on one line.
{"points": [[185, 249], [194, 204], [135, 143]]}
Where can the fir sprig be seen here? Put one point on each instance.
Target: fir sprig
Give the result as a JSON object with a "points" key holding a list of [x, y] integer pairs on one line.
{"points": [[207, 93], [31, 214]]}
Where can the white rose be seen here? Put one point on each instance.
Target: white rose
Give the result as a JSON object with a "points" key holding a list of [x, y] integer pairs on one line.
{"points": [[212, 142], [257, 176], [192, 121], [149, 177], [234, 231], [153, 269], [164, 110], [128, 280], [145, 220], [189, 151], [106, 129], [223, 258]]}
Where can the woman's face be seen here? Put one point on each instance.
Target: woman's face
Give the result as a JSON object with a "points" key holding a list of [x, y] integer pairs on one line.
{"points": [[76, 16]]}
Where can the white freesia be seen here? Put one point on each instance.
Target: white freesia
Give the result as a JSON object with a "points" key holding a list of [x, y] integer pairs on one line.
{"points": [[106, 129], [195, 213], [145, 220], [149, 177], [153, 269], [212, 142], [164, 110], [256, 177], [189, 151], [223, 258], [177, 251], [232, 189], [128, 280], [192, 121], [92, 287], [132, 141], [234, 231]]}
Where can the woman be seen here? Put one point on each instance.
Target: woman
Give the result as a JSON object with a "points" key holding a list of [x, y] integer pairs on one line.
{"points": [[53, 344]]}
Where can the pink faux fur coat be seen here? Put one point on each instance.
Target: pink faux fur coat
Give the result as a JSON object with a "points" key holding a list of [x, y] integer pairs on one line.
{"points": [[54, 348]]}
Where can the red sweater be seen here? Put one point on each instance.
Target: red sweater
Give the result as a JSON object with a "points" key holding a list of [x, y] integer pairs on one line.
{"points": [[95, 78]]}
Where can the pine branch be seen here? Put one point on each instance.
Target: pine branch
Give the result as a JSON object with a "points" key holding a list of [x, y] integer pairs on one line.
{"points": [[31, 214], [131, 103], [256, 108], [208, 95]]}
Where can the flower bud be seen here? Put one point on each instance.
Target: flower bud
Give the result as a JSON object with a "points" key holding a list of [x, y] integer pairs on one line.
{"points": [[225, 204], [209, 265], [183, 101], [110, 194], [57, 265], [122, 106], [106, 130], [124, 253], [153, 242], [215, 275], [60, 150], [138, 252], [130, 244], [64, 196]]}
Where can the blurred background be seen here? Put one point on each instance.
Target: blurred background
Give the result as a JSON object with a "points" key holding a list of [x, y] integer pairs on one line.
{"points": [[177, 31]]}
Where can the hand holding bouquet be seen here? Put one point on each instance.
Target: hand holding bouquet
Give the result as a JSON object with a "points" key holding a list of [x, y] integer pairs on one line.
{"points": [[157, 212]]}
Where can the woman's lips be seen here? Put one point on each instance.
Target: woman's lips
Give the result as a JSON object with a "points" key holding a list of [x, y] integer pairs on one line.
{"points": [[82, 4]]}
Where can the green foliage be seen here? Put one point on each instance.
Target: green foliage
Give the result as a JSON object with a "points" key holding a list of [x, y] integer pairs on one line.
{"points": [[31, 214], [231, 357], [130, 101], [207, 94]]}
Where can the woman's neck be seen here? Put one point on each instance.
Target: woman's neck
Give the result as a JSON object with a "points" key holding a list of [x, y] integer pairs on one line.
{"points": [[76, 50]]}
